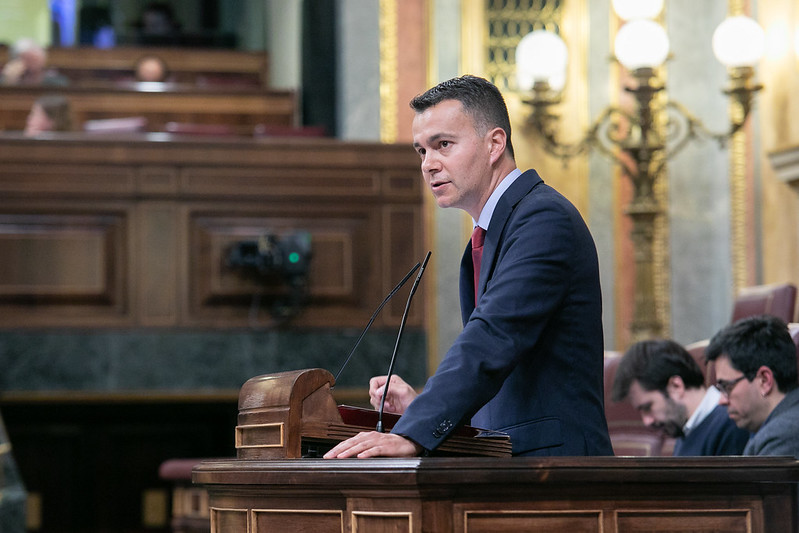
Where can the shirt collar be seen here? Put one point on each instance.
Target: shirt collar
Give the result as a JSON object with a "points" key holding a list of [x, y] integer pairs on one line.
{"points": [[709, 402], [491, 204]]}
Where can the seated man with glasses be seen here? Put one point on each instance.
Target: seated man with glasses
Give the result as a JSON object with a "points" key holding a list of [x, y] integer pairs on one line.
{"points": [[664, 383], [756, 372]]}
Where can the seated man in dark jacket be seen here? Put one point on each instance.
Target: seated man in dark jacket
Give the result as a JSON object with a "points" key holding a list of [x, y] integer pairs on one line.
{"points": [[666, 386], [756, 372]]}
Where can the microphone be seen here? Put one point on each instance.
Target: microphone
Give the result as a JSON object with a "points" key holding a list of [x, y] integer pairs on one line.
{"points": [[374, 316], [397, 343]]}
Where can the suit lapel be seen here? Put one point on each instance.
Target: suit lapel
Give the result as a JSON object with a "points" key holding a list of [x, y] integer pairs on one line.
{"points": [[520, 188]]}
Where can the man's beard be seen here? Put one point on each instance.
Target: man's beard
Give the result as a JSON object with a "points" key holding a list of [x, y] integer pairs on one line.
{"points": [[677, 416]]}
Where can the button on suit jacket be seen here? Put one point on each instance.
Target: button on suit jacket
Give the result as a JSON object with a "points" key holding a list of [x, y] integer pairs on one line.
{"points": [[529, 360]]}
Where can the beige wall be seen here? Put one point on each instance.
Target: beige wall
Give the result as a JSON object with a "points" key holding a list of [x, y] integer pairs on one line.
{"points": [[779, 128], [25, 18]]}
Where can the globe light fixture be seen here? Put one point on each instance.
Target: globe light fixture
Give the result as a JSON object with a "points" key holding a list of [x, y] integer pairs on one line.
{"points": [[641, 44], [541, 57], [639, 148], [739, 42]]}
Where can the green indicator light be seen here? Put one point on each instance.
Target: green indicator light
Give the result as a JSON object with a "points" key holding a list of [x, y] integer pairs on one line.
{"points": [[294, 257]]}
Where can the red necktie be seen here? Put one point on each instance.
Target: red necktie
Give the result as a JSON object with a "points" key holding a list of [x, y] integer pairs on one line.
{"points": [[478, 239]]}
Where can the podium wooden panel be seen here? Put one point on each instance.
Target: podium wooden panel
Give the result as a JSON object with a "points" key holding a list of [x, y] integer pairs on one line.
{"points": [[448, 494]]}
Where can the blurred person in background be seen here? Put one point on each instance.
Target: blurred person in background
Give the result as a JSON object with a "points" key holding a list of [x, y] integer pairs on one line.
{"points": [[51, 112], [151, 68], [28, 66]]}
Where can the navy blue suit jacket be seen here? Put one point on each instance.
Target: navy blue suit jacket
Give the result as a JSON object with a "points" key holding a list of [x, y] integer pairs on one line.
{"points": [[717, 434], [529, 360]]}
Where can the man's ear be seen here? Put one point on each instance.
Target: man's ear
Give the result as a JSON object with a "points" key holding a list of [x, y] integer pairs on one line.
{"points": [[675, 387], [498, 141], [765, 381]]}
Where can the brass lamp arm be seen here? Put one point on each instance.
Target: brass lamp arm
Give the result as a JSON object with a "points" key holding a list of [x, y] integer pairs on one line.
{"points": [[604, 134], [694, 128]]}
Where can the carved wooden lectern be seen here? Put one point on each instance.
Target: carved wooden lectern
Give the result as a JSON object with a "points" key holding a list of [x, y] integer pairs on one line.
{"points": [[293, 414], [276, 484]]}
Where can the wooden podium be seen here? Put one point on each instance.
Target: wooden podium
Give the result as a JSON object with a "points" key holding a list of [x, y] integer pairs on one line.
{"points": [[275, 484], [293, 414], [489, 494]]}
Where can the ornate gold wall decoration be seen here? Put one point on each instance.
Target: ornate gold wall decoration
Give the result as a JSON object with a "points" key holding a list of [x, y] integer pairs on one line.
{"points": [[739, 231], [389, 65], [661, 250], [493, 28], [507, 22], [739, 197]]}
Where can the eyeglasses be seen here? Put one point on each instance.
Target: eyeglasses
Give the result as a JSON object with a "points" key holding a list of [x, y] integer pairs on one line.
{"points": [[726, 386]]}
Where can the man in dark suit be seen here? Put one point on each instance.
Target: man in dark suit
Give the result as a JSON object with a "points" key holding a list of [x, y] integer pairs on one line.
{"points": [[756, 373], [529, 361]]}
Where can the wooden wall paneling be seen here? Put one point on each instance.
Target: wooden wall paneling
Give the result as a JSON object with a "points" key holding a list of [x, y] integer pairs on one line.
{"points": [[64, 264], [343, 240], [158, 252], [181, 204], [403, 183], [155, 180], [399, 258], [299, 183], [49, 177]]}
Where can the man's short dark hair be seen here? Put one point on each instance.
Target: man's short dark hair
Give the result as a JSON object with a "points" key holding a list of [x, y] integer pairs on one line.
{"points": [[652, 363], [480, 99], [758, 341]]}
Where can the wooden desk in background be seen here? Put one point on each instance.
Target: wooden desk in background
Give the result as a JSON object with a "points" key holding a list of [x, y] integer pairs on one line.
{"points": [[196, 66], [240, 108], [134, 230]]}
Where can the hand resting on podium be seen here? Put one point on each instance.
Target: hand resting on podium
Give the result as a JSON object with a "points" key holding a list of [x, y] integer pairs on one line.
{"points": [[376, 444]]}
